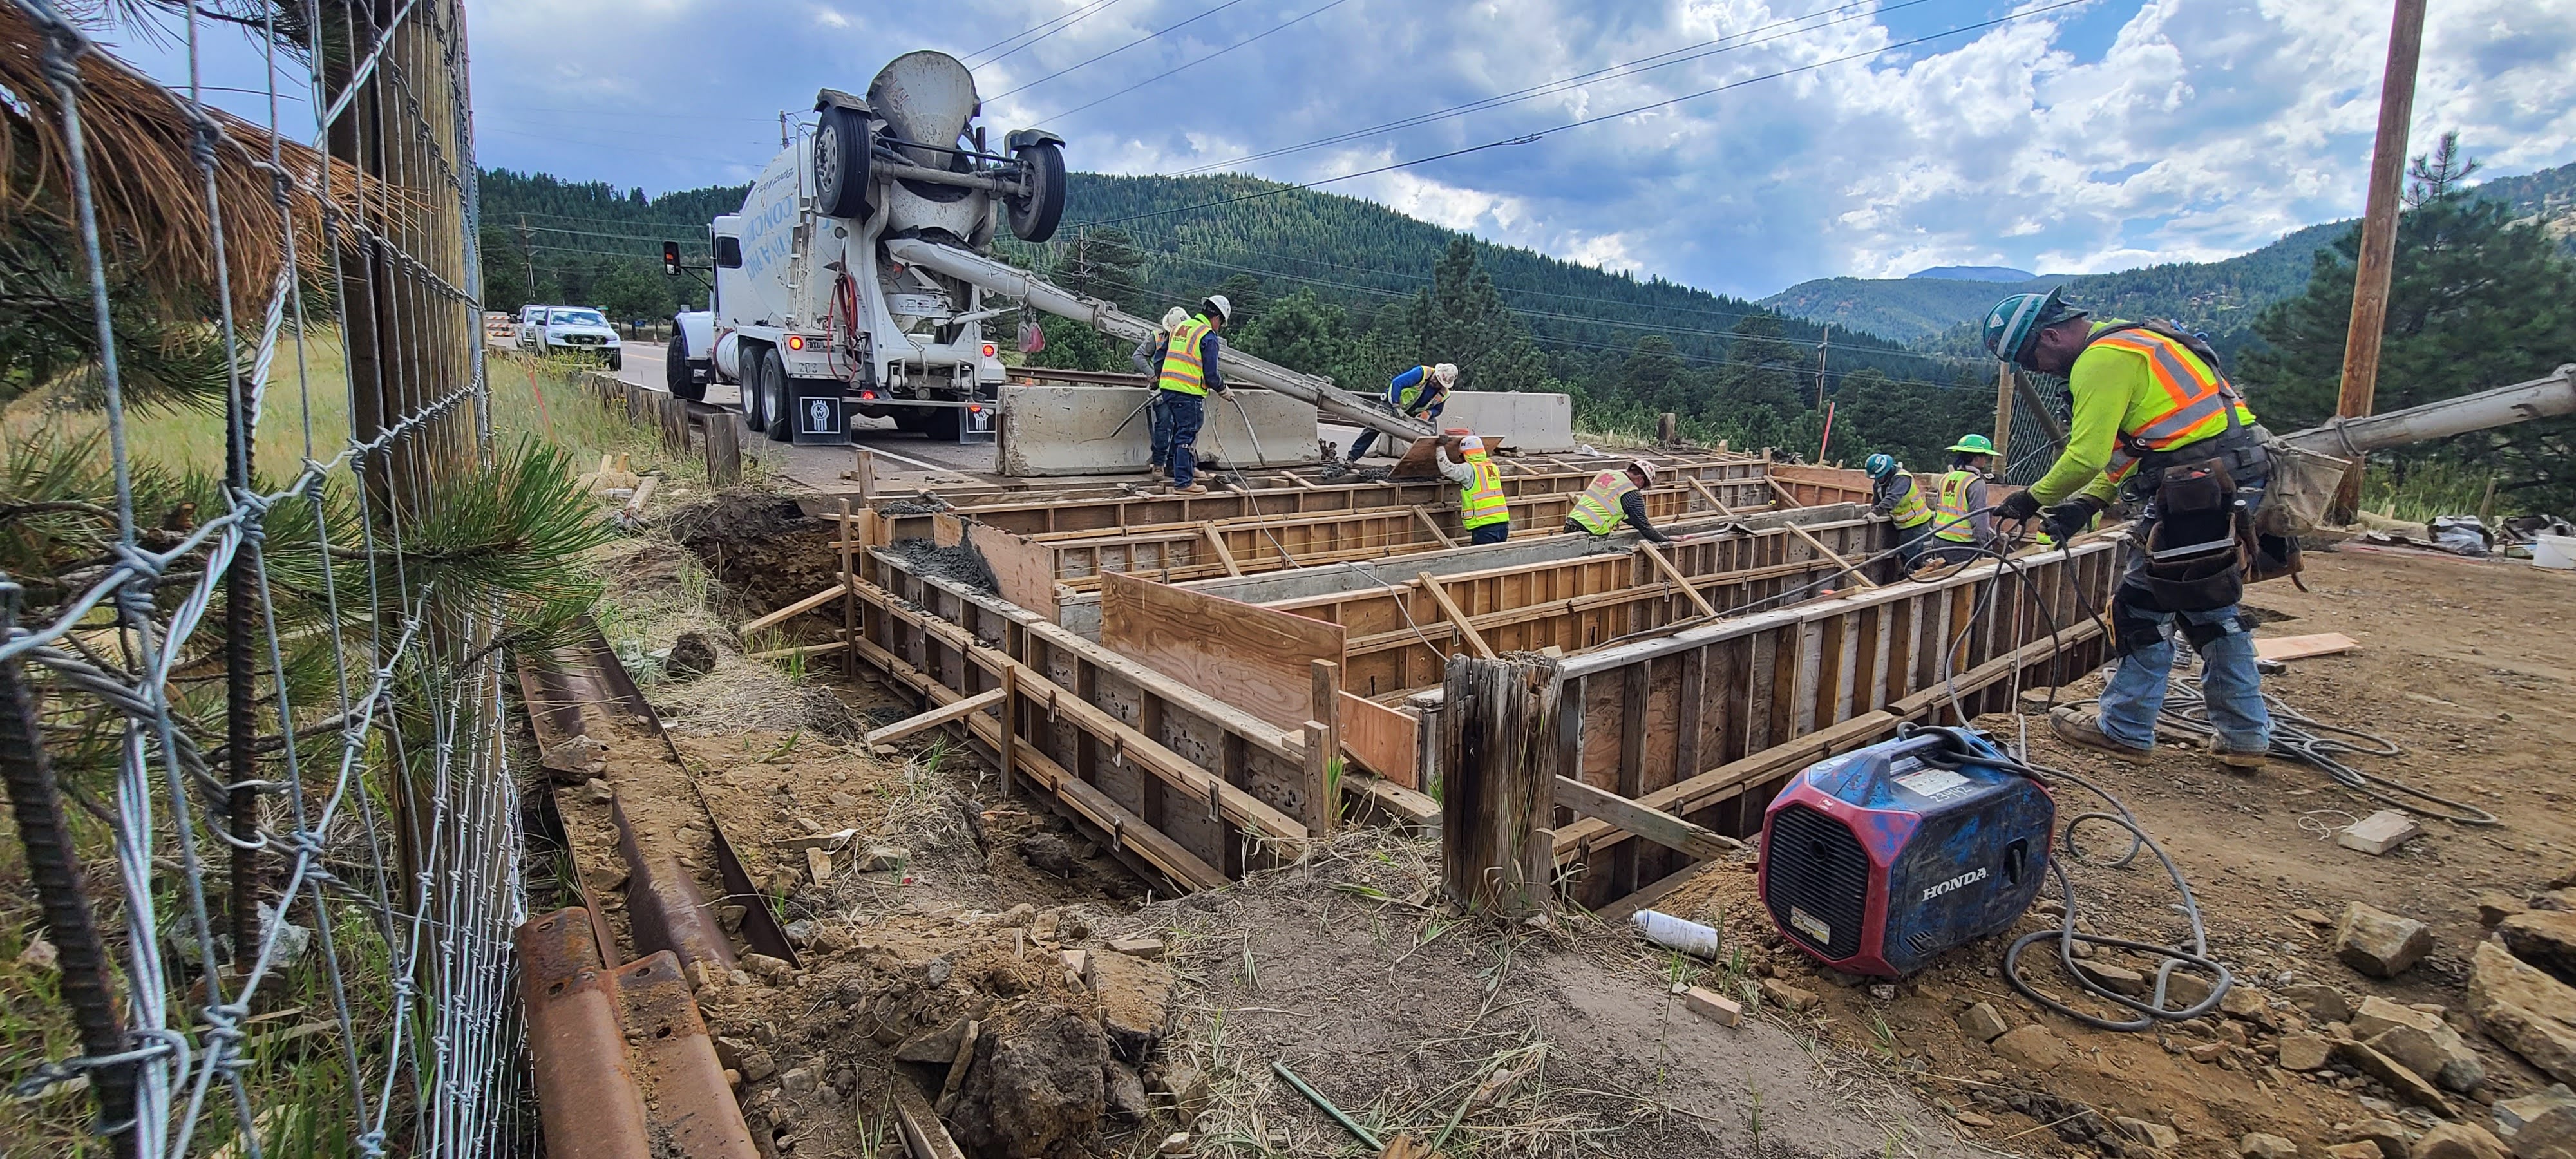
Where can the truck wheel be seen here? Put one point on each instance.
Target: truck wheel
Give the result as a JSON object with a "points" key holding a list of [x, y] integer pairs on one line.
{"points": [[774, 420], [676, 374], [1035, 214], [910, 421], [617, 360], [841, 163]]}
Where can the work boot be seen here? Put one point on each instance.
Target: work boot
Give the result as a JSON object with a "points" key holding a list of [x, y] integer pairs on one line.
{"points": [[2236, 760], [1161, 475], [2079, 727], [1192, 489]]}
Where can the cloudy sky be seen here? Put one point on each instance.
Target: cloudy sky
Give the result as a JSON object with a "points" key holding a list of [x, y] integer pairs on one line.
{"points": [[1873, 138]]}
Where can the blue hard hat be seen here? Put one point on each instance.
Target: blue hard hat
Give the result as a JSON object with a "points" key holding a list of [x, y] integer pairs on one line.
{"points": [[1879, 466], [2013, 322]]}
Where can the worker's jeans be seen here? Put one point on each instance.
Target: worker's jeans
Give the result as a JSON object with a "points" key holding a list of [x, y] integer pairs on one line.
{"points": [[1909, 544], [2228, 678], [1159, 419], [1360, 446], [1184, 413], [1489, 533]]}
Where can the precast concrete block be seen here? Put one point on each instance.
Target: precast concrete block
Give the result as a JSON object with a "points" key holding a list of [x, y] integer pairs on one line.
{"points": [[1067, 430], [1527, 420]]}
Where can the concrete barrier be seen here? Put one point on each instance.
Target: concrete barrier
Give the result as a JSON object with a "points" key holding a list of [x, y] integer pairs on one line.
{"points": [[1529, 421], [1065, 430]]}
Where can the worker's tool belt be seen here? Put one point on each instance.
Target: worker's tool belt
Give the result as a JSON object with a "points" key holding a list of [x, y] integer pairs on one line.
{"points": [[2196, 544]]}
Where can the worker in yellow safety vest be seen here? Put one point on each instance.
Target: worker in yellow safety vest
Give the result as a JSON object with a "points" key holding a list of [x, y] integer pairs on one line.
{"points": [[1189, 373], [1481, 509], [1147, 358], [2156, 423], [1418, 393], [1616, 497], [1961, 528], [1894, 494]]}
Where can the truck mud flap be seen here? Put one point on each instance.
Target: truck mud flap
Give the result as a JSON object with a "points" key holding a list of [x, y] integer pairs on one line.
{"points": [[822, 415]]}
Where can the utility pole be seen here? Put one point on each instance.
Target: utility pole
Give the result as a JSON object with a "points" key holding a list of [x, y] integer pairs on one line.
{"points": [[528, 248], [2379, 227], [784, 139], [1823, 348], [2003, 418]]}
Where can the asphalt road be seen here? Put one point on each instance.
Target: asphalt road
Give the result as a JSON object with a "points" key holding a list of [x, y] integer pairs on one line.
{"points": [[897, 452]]}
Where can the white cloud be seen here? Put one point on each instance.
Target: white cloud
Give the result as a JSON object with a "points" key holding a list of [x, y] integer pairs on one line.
{"points": [[2096, 137]]}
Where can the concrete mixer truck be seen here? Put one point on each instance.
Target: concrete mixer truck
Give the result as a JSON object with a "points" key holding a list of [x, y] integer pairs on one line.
{"points": [[857, 277]]}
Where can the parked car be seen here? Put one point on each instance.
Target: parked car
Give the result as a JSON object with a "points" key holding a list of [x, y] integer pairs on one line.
{"points": [[579, 330]]}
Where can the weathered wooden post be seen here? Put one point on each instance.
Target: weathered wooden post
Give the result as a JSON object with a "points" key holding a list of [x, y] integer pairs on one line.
{"points": [[724, 448], [1498, 765]]}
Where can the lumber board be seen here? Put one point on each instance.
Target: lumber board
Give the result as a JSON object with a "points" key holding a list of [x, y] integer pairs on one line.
{"points": [[1674, 574], [1405, 805], [1828, 553], [823, 649], [2302, 647], [1433, 527], [794, 610], [1384, 740], [1224, 555], [1457, 619], [1023, 572], [924, 1136], [1662, 828], [1249, 656], [1626, 907], [934, 718]]}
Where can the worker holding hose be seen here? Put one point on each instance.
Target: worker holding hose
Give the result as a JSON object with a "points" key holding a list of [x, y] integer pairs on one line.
{"points": [[1419, 393], [2157, 424], [1189, 373], [1148, 360]]}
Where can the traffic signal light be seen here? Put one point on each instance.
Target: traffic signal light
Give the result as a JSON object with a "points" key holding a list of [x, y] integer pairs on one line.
{"points": [[671, 258]]}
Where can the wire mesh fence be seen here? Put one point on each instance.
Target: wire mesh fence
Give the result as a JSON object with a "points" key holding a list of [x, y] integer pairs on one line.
{"points": [[250, 726], [2040, 410]]}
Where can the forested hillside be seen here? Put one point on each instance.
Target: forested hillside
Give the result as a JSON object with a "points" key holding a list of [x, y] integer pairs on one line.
{"points": [[589, 243]]}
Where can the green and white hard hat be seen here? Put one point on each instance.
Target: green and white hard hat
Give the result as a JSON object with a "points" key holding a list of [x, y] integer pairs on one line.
{"points": [[1974, 445], [2013, 322]]}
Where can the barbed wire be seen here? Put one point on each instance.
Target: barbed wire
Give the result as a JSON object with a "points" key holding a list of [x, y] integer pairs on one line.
{"points": [[412, 956]]}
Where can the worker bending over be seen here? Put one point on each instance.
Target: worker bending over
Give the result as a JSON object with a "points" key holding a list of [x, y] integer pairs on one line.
{"points": [[1419, 393], [1616, 497], [1148, 360], [1481, 509], [1189, 373], [1894, 495], [1961, 526], [2156, 423]]}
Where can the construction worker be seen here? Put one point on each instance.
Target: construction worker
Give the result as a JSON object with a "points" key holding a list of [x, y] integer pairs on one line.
{"points": [[2156, 423], [1616, 497], [1481, 509], [1893, 494], [1961, 527], [1148, 360], [1418, 393], [1189, 373]]}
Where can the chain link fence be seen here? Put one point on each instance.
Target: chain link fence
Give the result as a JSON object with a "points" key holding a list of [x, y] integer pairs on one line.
{"points": [[250, 726]]}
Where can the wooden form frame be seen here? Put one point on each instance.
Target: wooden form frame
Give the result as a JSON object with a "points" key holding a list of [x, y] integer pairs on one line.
{"points": [[1708, 724], [1198, 790]]}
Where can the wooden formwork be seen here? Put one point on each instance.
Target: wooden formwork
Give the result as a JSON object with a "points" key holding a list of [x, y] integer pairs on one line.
{"points": [[1705, 726]]}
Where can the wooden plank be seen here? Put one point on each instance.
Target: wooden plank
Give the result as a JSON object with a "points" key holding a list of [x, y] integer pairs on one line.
{"points": [[1433, 527], [1415, 463], [935, 717], [1316, 796], [791, 611], [1457, 619], [1252, 657], [924, 1136], [1023, 572], [1709, 495], [1224, 554], [1674, 574], [2302, 647], [1828, 553], [1384, 740], [1626, 907], [1404, 805], [824, 649], [1010, 739], [1645, 821]]}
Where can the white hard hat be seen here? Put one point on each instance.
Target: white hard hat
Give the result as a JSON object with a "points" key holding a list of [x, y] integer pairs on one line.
{"points": [[1446, 372], [1174, 317], [1642, 467], [1224, 309], [1468, 443]]}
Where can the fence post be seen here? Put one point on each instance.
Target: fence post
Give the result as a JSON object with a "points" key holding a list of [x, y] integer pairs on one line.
{"points": [[1498, 758], [724, 448]]}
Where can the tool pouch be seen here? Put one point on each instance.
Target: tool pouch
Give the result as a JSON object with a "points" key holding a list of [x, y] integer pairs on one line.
{"points": [[2195, 551]]}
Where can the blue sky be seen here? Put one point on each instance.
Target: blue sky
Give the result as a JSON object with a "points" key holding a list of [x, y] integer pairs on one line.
{"points": [[2082, 137]]}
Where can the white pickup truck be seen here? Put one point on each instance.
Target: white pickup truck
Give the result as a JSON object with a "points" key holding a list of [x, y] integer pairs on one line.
{"points": [[578, 330]]}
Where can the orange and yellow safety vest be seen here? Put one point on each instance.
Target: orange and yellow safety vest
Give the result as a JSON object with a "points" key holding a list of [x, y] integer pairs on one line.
{"points": [[1952, 508], [1181, 369], [1909, 511], [1597, 511], [1480, 501], [2187, 403]]}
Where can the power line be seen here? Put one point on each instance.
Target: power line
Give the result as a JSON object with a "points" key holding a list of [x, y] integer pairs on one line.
{"points": [[1063, 22], [1534, 137], [1121, 48], [1203, 60], [1639, 66]]}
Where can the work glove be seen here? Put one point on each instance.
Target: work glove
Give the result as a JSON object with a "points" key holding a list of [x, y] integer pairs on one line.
{"points": [[2018, 506], [2069, 519]]}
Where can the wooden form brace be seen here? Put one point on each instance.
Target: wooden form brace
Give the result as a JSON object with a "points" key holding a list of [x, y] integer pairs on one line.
{"points": [[1709, 723], [1198, 788]]}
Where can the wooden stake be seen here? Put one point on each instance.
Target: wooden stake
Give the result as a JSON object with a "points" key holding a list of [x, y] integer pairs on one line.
{"points": [[953, 711], [1319, 811], [1224, 554], [1675, 574], [866, 474], [849, 597], [1457, 619], [1327, 698], [1010, 746], [2379, 227]]}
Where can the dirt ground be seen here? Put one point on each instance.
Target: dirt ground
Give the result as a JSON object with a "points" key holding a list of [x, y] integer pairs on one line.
{"points": [[2464, 664]]}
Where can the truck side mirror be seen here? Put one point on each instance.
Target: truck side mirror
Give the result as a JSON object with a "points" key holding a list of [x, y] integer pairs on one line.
{"points": [[729, 253], [671, 258]]}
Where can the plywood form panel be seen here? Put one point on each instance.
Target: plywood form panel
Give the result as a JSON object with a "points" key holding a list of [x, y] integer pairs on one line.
{"points": [[1245, 655]]}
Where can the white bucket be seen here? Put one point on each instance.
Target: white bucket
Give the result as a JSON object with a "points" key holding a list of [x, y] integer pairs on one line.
{"points": [[2554, 551]]}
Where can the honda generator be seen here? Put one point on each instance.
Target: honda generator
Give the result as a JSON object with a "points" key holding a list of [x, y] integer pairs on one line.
{"points": [[1875, 861]]}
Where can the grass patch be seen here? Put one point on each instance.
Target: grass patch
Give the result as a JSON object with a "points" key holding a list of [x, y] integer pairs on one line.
{"points": [[2422, 491]]}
